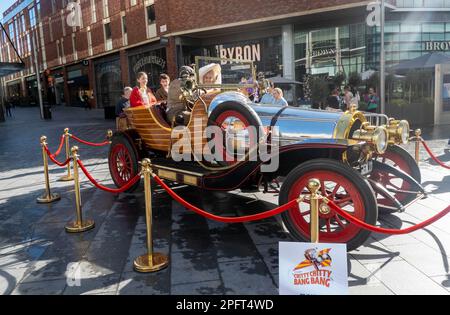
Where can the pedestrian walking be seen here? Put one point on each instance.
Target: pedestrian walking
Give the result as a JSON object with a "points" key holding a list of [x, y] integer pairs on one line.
{"points": [[348, 97], [373, 101], [8, 106], [334, 100]]}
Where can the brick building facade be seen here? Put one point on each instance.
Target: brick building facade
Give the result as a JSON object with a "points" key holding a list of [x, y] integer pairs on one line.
{"points": [[116, 38]]}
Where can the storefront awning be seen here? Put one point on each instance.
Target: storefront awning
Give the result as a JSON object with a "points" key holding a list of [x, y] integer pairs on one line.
{"points": [[7, 68]]}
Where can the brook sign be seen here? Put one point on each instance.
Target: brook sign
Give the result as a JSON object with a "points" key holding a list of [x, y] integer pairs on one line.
{"points": [[437, 46]]}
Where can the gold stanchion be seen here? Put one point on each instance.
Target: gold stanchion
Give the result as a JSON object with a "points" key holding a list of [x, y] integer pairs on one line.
{"points": [[68, 177], [48, 197], [151, 261], [79, 225], [313, 187], [109, 134], [418, 139]]}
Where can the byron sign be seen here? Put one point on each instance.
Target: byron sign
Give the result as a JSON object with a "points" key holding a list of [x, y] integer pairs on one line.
{"points": [[245, 52]]}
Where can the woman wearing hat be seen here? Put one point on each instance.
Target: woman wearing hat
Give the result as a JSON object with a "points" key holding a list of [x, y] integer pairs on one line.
{"points": [[210, 75], [142, 95]]}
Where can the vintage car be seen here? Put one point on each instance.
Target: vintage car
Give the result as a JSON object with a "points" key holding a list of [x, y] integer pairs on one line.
{"points": [[356, 156]]}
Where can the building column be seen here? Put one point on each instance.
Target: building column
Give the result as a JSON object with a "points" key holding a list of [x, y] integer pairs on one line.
{"points": [[92, 84], [171, 58], [288, 51]]}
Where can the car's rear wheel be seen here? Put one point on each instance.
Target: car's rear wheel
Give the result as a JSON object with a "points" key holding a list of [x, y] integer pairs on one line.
{"points": [[123, 162], [342, 185], [399, 158]]}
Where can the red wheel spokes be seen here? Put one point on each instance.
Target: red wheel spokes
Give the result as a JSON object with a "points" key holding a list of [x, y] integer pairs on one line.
{"points": [[336, 188], [122, 164]]}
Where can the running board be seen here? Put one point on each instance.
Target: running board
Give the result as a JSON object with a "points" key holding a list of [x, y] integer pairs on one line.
{"points": [[182, 173]]}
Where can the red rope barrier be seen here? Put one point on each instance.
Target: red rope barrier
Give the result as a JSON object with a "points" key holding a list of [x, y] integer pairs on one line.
{"points": [[376, 229], [61, 143], [92, 144], [52, 158], [127, 186], [211, 216], [433, 156]]}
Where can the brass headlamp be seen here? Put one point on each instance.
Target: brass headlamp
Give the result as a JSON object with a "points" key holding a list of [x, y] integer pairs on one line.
{"points": [[378, 137], [398, 131]]}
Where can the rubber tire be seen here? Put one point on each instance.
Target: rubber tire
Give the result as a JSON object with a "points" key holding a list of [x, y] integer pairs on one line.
{"points": [[415, 170], [365, 190], [124, 140], [252, 119], [415, 173]]}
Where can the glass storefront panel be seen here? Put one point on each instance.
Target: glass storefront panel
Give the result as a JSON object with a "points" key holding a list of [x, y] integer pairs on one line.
{"points": [[330, 51], [108, 76]]}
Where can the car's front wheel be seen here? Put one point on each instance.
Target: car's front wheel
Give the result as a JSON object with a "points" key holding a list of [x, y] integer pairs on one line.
{"points": [[340, 184]]}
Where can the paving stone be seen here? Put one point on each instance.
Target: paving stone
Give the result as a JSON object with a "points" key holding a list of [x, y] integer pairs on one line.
{"points": [[133, 283], [374, 252], [52, 287], [10, 278], [241, 277], [199, 288], [402, 278], [190, 267], [267, 232], [427, 260]]}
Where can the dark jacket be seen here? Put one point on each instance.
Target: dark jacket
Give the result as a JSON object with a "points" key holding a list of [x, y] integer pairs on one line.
{"points": [[121, 104], [161, 95]]}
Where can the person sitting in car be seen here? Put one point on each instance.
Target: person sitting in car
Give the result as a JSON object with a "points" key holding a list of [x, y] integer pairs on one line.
{"points": [[177, 110], [142, 95], [211, 75], [161, 94]]}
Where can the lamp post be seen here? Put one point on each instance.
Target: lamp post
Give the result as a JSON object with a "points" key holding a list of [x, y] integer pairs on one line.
{"points": [[382, 61], [36, 66]]}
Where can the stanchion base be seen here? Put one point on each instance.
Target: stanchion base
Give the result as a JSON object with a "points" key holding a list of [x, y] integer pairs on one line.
{"points": [[75, 227], [144, 264], [66, 178], [48, 199]]}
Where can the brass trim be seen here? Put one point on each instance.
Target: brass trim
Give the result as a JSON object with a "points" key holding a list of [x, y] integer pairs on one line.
{"points": [[190, 180], [158, 167], [168, 175]]}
